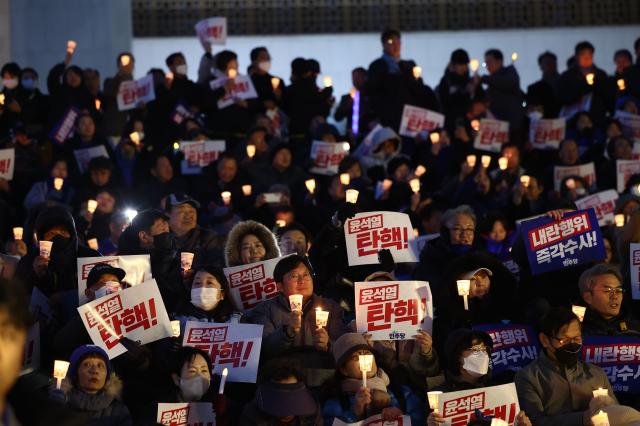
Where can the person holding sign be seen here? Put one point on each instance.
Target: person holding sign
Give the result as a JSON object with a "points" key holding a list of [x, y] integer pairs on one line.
{"points": [[115, 120]]}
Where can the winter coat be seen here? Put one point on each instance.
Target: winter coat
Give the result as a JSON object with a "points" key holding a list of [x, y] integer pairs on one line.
{"points": [[204, 243], [239, 231], [619, 326], [253, 416]]}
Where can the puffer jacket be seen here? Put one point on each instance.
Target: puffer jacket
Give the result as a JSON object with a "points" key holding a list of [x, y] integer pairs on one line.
{"points": [[239, 231]]}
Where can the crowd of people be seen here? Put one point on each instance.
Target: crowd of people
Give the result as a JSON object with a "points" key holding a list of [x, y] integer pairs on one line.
{"points": [[253, 203]]}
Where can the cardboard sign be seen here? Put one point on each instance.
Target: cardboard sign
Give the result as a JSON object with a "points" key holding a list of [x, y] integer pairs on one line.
{"points": [[619, 357], [585, 171], [630, 125], [393, 310], [458, 408], [7, 163], [63, 130], [573, 240], [416, 120], [186, 414], [375, 421], [583, 104], [212, 30], [242, 89], [85, 155], [327, 156], [232, 346], [366, 146], [604, 204], [31, 354], [251, 284], [547, 133], [131, 92], [492, 135], [634, 264], [367, 233], [514, 345], [137, 313], [199, 154], [137, 267], [624, 170], [418, 243]]}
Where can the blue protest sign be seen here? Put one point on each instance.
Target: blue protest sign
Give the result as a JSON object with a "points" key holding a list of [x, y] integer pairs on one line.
{"points": [[619, 357], [514, 345]]}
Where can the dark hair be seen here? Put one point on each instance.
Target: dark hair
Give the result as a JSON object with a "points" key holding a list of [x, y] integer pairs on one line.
{"points": [[460, 340], [611, 146], [389, 33], [14, 304], [313, 65], [12, 68], [186, 354], [547, 54], [565, 141], [497, 54], [223, 58], [256, 51], [293, 226], [30, 70], [555, 318], [619, 52], [280, 369], [348, 162], [84, 115], [129, 54], [584, 45], [359, 69], [289, 263], [395, 163], [172, 58]]}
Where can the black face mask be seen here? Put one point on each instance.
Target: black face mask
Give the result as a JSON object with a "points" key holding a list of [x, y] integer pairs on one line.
{"points": [[163, 241], [568, 354]]}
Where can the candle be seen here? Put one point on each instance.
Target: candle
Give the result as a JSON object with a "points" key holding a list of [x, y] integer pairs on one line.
{"points": [[590, 78], [600, 419], [420, 170], [1, 98], [310, 184], [475, 125], [352, 196], [93, 243], [71, 46], [416, 233], [226, 197], [434, 137], [463, 290], [475, 64], [322, 317], [17, 233], [579, 311], [295, 301], [125, 60], [246, 190], [621, 85], [352, 93], [281, 223], [45, 248], [176, 146], [486, 161], [186, 260], [327, 81], [600, 392], [92, 205], [223, 380], [525, 180], [503, 162], [60, 369], [415, 185], [417, 72], [345, 179], [619, 220], [275, 82], [345, 146], [471, 160], [135, 137], [386, 184], [434, 400], [232, 73], [571, 184], [175, 328], [514, 56], [98, 104], [366, 365], [57, 183]]}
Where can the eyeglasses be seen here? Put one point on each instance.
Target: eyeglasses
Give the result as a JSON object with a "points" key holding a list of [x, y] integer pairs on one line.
{"points": [[478, 349], [567, 340], [611, 291], [298, 277], [459, 230]]}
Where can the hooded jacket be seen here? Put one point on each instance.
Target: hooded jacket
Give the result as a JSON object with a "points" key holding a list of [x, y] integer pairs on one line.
{"points": [[239, 231]]}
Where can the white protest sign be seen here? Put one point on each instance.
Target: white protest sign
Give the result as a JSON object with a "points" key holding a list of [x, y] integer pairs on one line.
{"points": [[375, 421], [137, 267], [418, 243], [232, 346], [367, 233], [327, 156], [31, 355], [7, 163], [242, 89], [366, 146], [585, 171], [547, 133], [85, 155], [131, 92], [199, 154], [630, 124], [186, 414], [393, 310], [624, 170], [491, 135], [137, 313], [604, 204], [458, 408], [212, 30], [416, 120], [251, 284], [634, 263]]}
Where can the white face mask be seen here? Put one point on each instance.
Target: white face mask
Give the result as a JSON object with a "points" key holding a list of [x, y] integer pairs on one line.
{"points": [[192, 389], [181, 69], [264, 65], [476, 364], [205, 298], [109, 287], [11, 83]]}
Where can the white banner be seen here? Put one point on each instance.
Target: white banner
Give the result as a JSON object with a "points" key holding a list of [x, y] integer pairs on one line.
{"points": [[85, 155], [416, 120], [624, 170], [418, 243], [232, 346], [327, 156], [585, 171], [375, 421], [366, 146], [137, 267], [547, 133], [604, 204], [212, 30], [491, 135], [186, 414], [137, 313], [7, 163], [630, 125], [458, 408], [199, 154], [634, 263], [367, 233], [393, 310], [131, 92], [242, 89]]}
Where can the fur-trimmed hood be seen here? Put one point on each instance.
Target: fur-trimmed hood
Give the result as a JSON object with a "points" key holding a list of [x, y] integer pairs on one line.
{"points": [[238, 232]]}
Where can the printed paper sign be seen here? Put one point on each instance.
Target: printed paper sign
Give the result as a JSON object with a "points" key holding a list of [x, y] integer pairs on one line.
{"points": [[199, 154], [85, 155], [514, 345], [547, 133], [416, 120], [375, 421], [634, 262], [186, 414], [630, 125], [604, 204], [624, 170], [327, 156], [137, 313], [418, 243], [132, 92], [393, 310], [367, 233], [63, 130], [251, 284], [366, 146], [573, 240], [619, 357], [232, 346], [458, 408], [583, 104], [137, 267], [585, 171], [491, 135], [31, 355], [7, 163], [212, 30], [242, 89]]}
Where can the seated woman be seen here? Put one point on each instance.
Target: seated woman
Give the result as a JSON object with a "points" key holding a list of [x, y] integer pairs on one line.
{"points": [[349, 401], [92, 388]]}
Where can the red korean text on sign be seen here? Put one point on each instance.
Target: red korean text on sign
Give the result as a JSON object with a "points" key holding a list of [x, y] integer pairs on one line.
{"points": [[466, 404], [417, 123], [371, 242], [380, 316], [553, 232], [176, 417], [253, 286], [365, 223], [326, 157], [509, 337]]}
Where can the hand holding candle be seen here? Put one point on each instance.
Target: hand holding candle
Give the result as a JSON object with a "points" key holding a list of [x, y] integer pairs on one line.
{"points": [[275, 82], [417, 72], [251, 151], [600, 419], [475, 125], [327, 81], [246, 190], [434, 400], [485, 160], [600, 392], [352, 196], [434, 137], [175, 328], [366, 365], [474, 65], [463, 290], [226, 197], [186, 260], [579, 311], [60, 369], [57, 183], [93, 243], [525, 180], [45, 248], [345, 179], [311, 185], [415, 185], [17, 233], [590, 78], [619, 220], [71, 46], [322, 317], [420, 170], [92, 205], [295, 301], [223, 381], [503, 162], [471, 160]]}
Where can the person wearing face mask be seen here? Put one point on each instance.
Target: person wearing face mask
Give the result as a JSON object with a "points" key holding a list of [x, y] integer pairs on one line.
{"points": [[182, 89], [557, 387], [35, 107], [15, 97], [270, 94]]}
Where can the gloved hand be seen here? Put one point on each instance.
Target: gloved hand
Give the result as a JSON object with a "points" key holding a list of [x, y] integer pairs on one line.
{"points": [[385, 258], [346, 211]]}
